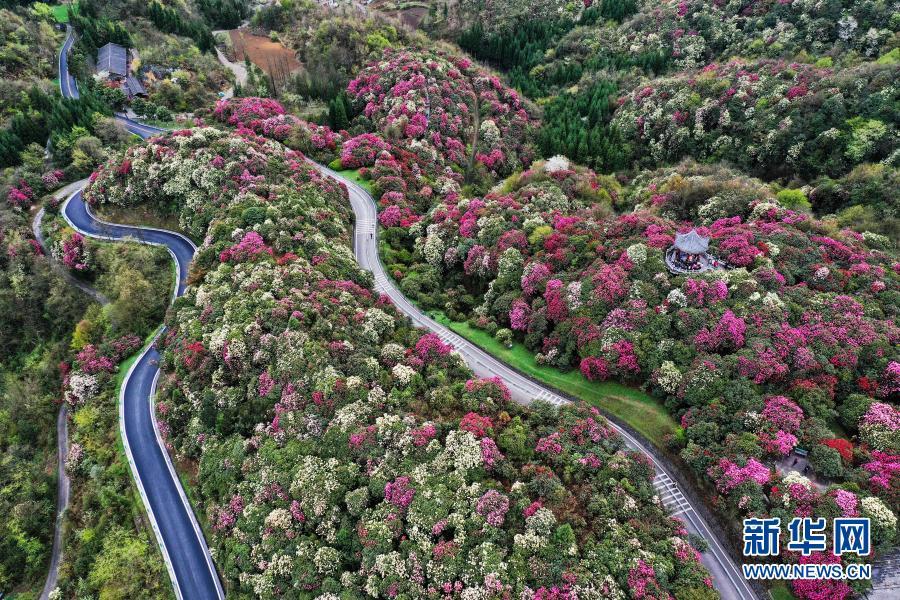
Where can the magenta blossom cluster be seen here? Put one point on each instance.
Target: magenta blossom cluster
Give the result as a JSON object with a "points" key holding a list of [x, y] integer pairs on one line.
{"points": [[493, 506], [74, 253], [249, 247], [21, 195], [399, 492], [730, 475]]}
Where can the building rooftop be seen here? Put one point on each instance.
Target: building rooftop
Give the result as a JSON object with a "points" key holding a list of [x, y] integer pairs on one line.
{"points": [[134, 86], [113, 59]]}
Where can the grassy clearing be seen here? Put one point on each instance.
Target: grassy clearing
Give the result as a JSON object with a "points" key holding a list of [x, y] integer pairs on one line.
{"points": [[353, 175], [640, 411], [61, 12], [780, 591]]}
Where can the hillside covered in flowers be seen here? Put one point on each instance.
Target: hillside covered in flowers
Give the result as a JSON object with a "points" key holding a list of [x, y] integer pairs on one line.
{"points": [[798, 92], [793, 346], [340, 451], [330, 449]]}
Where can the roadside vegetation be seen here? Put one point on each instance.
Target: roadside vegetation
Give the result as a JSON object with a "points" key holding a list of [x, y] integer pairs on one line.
{"points": [[334, 450], [640, 411]]}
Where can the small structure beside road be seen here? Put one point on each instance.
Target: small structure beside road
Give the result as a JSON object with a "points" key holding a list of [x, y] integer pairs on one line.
{"points": [[113, 66]]}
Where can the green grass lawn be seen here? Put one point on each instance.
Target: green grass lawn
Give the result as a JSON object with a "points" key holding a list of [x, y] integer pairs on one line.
{"points": [[353, 175], [640, 411], [61, 12], [780, 591]]}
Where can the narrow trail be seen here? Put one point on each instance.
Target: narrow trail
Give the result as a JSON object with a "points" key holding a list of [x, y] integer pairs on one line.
{"points": [[238, 69], [476, 130], [62, 422], [59, 268], [62, 500]]}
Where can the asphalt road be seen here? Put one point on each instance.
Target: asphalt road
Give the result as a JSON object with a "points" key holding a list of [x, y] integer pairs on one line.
{"points": [[727, 577], [176, 529], [67, 86], [180, 538], [174, 524]]}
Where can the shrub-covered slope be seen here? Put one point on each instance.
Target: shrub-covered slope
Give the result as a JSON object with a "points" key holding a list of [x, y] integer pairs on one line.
{"points": [[798, 335], [340, 451]]}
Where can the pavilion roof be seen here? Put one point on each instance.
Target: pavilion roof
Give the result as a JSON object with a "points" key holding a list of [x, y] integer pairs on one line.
{"points": [[691, 242]]}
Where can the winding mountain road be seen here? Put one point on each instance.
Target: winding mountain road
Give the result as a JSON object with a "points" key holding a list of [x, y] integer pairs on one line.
{"points": [[177, 531], [176, 528], [727, 577], [179, 536]]}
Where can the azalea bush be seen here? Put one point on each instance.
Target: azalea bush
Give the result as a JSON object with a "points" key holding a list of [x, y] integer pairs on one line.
{"points": [[739, 355], [267, 117], [70, 250], [445, 101], [341, 451], [232, 169], [759, 115]]}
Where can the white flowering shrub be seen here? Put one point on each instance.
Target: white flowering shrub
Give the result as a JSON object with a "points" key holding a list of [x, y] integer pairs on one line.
{"points": [[338, 449]]}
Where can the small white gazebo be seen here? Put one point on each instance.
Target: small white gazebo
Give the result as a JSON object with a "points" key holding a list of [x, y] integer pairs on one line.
{"points": [[689, 254]]}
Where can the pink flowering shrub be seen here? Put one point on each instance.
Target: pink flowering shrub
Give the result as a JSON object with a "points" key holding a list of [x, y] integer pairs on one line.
{"points": [[780, 444], [429, 96], [782, 414], [399, 492], [594, 368], [72, 251], [643, 584], [820, 589], [430, 347], [880, 427], [249, 247], [478, 425], [493, 506], [731, 476], [362, 150], [20, 196]]}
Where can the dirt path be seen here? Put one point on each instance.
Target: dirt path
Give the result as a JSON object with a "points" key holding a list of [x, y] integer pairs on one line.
{"points": [[475, 131], [238, 69], [62, 422], [62, 500], [62, 270]]}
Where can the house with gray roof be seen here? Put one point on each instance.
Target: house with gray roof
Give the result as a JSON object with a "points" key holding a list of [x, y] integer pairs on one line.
{"points": [[112, 59]]}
